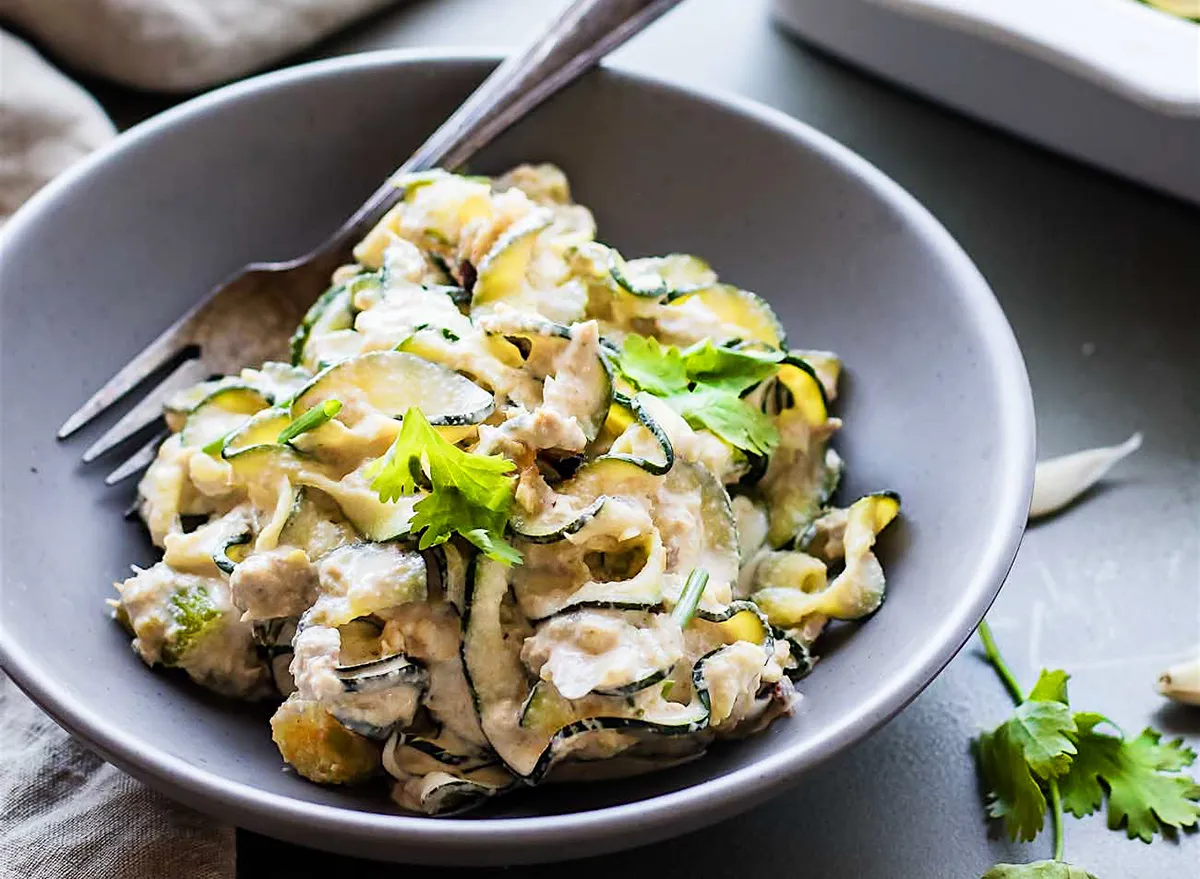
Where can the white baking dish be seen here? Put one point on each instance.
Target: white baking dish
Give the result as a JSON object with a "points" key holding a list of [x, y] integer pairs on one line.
{"points": [[1112, 82]]}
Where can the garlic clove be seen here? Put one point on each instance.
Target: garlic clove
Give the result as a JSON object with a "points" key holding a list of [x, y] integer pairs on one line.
{"points": [[1061, 480], [1182, 682]]}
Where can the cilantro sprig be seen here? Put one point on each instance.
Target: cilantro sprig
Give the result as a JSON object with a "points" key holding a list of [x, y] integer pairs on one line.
{"points": [[1046, 750], [470, 495], [703, 383]]}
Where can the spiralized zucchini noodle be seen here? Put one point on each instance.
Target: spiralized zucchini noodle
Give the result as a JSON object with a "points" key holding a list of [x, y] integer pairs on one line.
{"points": [[518, 508]]}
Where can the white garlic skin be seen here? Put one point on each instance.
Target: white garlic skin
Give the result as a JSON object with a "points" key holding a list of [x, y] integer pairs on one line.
{"points": [[1182, 682]]}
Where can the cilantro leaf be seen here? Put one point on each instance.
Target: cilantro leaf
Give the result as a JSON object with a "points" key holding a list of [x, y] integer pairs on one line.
{"points": [[1051, 686], [492, 546], [653, 367], [469, 494], [703, 385], [1146, 792], [729, 417], [1031, 746], [1037, 870], [729, 369]]}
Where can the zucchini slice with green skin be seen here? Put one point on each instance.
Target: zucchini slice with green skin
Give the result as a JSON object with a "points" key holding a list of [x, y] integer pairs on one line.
{"points": [[702, 686], [541, 596], [659, 277], [369, 729], [545, 709], [453, 566], [637, 686], [604, 652], [555, 525], [382, 674], [441, 750], [713, 544], [333, 310], [274, 636], [327, 349], [492, 662], [638, 412], [445, 794], [381, 695], [856, 592], [227, 556], [532, 727], [582, 497], [802, 657], [825, 537], [221, 412], [316, 524], [724, 312], [501, 274], [1188, 10], [539, 340], [437, 776], [826, 365], [421, 755], [582, 385], [390, 382], [179, 405], [797, 487], [274, 381], [333, 313], [453, 795], [273, 640], [789, 569], [376, 520], [798, 388], [261, 429], [263, 466], [742, 620]]}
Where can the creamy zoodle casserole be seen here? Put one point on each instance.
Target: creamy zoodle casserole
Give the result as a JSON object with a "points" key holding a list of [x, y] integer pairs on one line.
{"points": [[518, 509]]}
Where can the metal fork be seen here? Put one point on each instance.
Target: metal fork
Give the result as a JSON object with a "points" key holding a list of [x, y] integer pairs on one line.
{"points": [[248, 318]]}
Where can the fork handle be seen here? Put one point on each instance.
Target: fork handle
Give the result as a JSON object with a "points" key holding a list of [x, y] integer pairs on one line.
{"points": [[586, 32]]}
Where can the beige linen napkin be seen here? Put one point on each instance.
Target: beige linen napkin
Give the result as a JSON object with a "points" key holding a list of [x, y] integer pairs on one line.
{"points": [[66, 814], [179, 45], [46, 123]]}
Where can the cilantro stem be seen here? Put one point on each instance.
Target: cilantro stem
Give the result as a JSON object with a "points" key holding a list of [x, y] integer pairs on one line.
{"points": [[1001, 667], [992, 651], [1056, 817]]}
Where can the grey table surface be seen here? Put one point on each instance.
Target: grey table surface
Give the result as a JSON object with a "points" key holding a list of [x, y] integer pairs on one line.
{"points": [[1101, 281]]}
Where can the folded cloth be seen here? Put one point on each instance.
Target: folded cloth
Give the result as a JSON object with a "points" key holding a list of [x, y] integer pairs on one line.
{"points": [[46, 123], [64, 812], [179, 45]]}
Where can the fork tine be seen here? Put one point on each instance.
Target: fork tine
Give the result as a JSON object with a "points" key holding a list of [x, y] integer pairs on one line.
{"points": [[148, 408], [150, 358], [138, 461]]}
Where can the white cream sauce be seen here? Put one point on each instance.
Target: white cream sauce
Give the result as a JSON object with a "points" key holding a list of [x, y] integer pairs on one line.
{"points": [[592, 650]]}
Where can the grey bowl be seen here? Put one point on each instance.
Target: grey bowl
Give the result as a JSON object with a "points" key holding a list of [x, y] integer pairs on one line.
{"points": [[937, 406]]}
